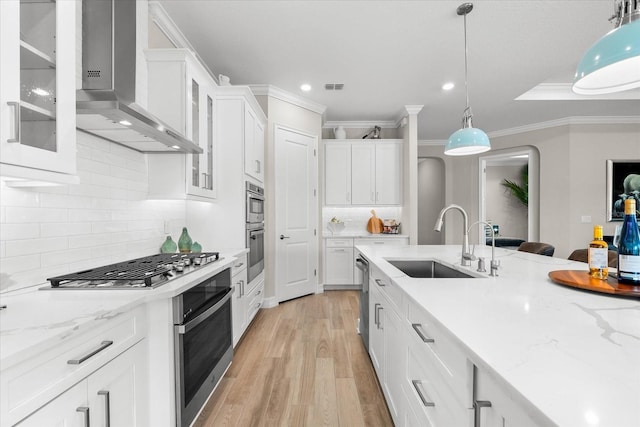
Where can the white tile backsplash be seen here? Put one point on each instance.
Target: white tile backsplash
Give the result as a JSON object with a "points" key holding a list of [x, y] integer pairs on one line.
{"points": [[104, 219]]}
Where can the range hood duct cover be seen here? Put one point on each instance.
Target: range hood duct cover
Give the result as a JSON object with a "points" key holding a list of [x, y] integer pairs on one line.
{"points": [[106, 104]]}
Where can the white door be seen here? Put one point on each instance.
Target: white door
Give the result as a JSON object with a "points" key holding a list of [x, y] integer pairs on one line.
{"points": [[296, 214]]}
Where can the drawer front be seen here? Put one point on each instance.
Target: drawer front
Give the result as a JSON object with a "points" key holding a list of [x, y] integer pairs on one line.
{"points": [[256, 298], [239, 265], [386, 286], [440, 354], [31, 384], [339, 243], [430, 398], [397, 241]]}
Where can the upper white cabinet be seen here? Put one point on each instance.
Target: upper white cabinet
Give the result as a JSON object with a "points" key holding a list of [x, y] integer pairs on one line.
{"points": [[37, 90], [363, 172], [243, 127], [253, 144], [182, 93]]}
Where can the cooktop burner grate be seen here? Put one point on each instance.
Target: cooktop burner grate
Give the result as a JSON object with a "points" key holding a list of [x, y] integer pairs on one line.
{"points": [[146, 271]]}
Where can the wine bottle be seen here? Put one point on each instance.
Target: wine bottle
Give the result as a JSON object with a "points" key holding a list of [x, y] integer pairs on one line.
{"points": [[629, 246], [598, 255]]}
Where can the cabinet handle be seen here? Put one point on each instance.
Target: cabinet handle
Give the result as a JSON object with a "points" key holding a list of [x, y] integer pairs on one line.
{"points": [[348, 196], [380, 282], [378, 308], [417, 384], [241, 287], [85, 411], [377, 196], [238, 265], [418, 328], [107, 410], [16, 122], [375, 314], [103, 345], [204, 180], [477, 406], [257, 166], [338, 250]]}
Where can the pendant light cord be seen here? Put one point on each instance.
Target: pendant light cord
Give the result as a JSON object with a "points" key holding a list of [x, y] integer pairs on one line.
{"points": [[466, 84]]}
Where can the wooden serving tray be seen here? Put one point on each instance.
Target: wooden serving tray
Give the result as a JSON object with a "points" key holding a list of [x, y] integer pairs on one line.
{"points": [[581, 279]]}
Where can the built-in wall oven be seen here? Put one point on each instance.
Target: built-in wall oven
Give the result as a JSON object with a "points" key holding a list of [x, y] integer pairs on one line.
{"points": [[255, 203], [203, 342], [255, 230]]}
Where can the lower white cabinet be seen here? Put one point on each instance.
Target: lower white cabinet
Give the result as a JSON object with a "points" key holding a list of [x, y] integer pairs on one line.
{"points": [[247, 298], [114, 395]]}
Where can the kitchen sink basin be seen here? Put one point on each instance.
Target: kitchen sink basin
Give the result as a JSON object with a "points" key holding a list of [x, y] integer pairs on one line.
{"points": [[429, 269]]}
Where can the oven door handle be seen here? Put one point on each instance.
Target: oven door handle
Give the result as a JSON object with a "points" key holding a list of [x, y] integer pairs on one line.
{"points": [[255, 233], [183, 329]]}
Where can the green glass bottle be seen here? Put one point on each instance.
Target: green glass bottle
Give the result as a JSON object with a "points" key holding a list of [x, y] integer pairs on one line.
{"points": [[184, 242], [169, 246], [196, 248]]}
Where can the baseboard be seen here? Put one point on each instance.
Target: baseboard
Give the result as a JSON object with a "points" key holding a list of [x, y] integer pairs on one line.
{"points": [[270, 302], [342, 287]]}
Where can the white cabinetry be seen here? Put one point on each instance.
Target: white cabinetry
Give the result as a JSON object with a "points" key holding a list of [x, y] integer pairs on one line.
{"points": [[493, 405], [339, 262], [110, 359], [37, 90], [182, 93], [363, 173], [253, 144], [247, 298], [386, 340]]}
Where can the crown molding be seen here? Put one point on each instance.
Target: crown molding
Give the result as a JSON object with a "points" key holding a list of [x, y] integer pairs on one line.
{"points": [[275, 92], [563, 92], [412, 109], [578, 120]]}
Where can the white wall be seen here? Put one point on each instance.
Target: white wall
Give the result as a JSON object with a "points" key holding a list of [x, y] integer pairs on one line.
{"points": [[572, 178], [431, 184], [106, 218], [502, 208]]}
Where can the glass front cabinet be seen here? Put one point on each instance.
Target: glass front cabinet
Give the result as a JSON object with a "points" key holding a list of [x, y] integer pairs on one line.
{"points": [[37, 90]]}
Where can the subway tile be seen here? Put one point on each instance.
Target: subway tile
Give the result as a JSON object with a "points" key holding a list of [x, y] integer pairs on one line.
{"points": [[65, 201], [90, 241], [89, 215], [35, 246], [108, 227], [108, 251], [17, 231], [90, 165], [37, 215], [65, 229], [64, 257], [19, 197]]}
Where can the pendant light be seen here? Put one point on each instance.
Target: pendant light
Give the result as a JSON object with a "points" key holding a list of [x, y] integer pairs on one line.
{"points": [[468, 140], [612, 64]]}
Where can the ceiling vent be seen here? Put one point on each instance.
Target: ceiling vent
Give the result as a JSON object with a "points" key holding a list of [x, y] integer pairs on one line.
{"points": [[334, 86]]}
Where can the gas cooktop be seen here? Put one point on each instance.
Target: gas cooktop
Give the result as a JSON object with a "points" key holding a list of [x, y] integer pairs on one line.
{"points": [[142, 273]]}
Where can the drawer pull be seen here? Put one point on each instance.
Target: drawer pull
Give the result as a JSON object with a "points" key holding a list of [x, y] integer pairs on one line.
{"points": [[380, 282], [107, 410], [378, 308], [85, 411], [238, 265], [477, 406], [417, 384], [16, 122], [418, 328], [103, 345]]}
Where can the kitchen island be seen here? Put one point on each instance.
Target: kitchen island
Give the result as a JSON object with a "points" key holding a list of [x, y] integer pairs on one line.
{"points": [[562, 356]]}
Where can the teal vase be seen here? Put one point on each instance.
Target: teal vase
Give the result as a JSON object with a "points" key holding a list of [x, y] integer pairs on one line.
{"points": [[184, 242], [196, 248], [169, 246]]}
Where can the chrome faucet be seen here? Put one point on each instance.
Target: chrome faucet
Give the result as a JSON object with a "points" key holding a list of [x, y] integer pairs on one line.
{"points": [[495, 264], [467, 257]]}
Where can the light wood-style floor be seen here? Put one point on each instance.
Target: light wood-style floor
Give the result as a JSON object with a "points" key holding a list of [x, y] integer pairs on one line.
{"points": [[300, 364]]}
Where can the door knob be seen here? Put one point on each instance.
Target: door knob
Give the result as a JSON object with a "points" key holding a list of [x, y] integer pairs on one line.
{"points": [[282, 237]]}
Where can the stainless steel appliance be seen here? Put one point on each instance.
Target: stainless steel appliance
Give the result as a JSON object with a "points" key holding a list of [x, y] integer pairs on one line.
{"points": [[363, 322], [255, 244], [141, 273], [255, 203], [203, 342], [106, 104]]}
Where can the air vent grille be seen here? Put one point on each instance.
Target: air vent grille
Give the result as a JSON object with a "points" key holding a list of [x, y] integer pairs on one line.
{"points": [[334, 86], [93, 73]]}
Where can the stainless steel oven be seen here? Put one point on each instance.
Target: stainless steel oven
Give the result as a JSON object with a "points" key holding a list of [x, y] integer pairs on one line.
{"points": [[255, 244], [203, 342], [255, 203]]}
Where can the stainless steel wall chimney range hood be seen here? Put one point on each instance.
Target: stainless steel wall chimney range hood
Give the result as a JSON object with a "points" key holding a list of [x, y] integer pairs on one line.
{"points": [[105, 105]]}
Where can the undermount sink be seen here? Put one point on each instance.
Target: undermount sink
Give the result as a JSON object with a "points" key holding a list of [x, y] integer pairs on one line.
{"points": [[429, 269]]}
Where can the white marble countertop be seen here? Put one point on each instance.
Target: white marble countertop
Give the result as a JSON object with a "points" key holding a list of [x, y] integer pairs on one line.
{"points": [[36, 320], [571, 356]]}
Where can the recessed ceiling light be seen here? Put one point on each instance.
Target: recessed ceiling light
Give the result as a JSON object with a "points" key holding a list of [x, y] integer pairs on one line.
{"points": [[448, 86], [125, 122], [305, 87]]}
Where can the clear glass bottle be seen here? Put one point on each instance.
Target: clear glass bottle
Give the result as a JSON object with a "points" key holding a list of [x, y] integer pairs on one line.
{"points": [[598, 255], [629, 246]]}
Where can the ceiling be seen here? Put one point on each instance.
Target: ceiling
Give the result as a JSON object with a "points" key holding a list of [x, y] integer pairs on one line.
{"points": [[389, 54]]}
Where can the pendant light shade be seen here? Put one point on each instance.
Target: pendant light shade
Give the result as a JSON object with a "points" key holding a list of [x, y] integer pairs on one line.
{"points": [[467, 140], [612, 64]]}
